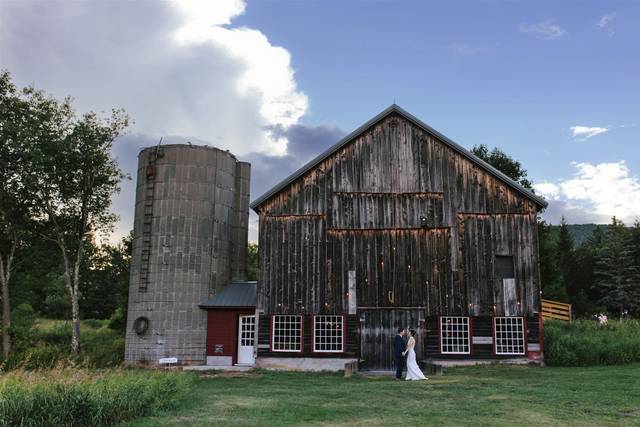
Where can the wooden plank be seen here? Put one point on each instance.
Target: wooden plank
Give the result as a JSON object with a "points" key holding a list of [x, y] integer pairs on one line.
{"points": [[560, 305]]}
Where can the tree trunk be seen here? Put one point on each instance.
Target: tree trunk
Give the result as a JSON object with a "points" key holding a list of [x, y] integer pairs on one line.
{"points": [[6, 319], [71, 282], [5, 275], [75, 326], [75, 312]]}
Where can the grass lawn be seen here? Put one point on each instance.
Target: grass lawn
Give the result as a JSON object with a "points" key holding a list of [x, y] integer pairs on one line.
{"points": [[479, 395]]}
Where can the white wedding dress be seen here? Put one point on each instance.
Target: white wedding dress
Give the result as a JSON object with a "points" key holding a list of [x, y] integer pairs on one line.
{"points": [[413, 371]]}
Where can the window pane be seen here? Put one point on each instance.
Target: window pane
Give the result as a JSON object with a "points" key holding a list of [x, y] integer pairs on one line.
{"points": [[454, 335], [287, 333], [327, 334], [509, 333]]}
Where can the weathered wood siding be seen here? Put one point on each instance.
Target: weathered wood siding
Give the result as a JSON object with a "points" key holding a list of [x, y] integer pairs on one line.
{"points": [[419, 223]]}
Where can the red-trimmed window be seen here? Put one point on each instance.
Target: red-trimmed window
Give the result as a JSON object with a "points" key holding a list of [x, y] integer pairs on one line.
{"points": [[328, 334], [509, 333], [286, 333], [454, 335]]}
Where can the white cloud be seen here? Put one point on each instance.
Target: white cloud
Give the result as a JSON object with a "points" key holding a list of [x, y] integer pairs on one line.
{"points": [[595, 193], [547, 30], [585, 132], [179, 67], [606, 20], [548, 190]]}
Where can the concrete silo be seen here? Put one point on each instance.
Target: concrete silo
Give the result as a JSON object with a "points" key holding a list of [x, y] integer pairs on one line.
{"points": [[190, 240]]}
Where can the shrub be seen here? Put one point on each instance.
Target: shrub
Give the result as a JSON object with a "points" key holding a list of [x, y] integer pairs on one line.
{"points": [[58, 334], [118, 321], [81, 398], [44, 356], [101, 348], [22, 332], [584, 343], [93, 323]]}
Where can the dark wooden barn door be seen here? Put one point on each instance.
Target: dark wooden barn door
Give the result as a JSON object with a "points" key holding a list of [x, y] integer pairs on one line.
{"points": [[378, 331]]}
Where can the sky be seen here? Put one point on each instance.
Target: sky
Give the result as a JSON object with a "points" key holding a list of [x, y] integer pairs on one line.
{"points": [[553, 84]]}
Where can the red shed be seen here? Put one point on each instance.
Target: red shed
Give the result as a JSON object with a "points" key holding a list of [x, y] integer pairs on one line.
{"points": [[231, 324]]}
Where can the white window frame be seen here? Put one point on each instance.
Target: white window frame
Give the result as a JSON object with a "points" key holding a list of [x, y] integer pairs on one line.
{"points": [[464, 320], [517, 320], [335, 317], [288, 321]]}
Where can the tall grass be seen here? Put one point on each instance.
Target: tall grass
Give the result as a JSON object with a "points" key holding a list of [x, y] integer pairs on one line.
{"points": [[71, 397], [584, 343], [48, 345]]}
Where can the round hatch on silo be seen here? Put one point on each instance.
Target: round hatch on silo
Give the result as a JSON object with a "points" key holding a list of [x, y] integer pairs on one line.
{"points": [[140, 325]]}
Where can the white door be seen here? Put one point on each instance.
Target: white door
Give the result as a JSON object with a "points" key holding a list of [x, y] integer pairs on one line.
{"points": [[246, 335]]}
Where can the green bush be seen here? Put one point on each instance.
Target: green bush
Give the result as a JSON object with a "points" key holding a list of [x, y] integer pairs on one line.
{"points": [[81, 398], [584, 343], [118, 321], [44, 356], [58, 334], [94, 323], [22, 332], [101, 348]]}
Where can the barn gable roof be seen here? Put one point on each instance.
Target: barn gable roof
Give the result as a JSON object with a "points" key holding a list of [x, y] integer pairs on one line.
{"points": [[417, 122]]}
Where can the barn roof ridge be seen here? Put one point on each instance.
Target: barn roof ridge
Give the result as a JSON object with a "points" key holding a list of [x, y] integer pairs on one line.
{"points": [[394, 108]]}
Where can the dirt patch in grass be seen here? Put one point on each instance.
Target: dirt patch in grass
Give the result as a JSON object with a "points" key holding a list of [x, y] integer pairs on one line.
{"points": [[630, 414], [230, 374]]}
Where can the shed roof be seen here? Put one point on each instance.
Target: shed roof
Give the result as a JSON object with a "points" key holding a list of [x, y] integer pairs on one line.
{"points": [[235, 294], [541, 202]]}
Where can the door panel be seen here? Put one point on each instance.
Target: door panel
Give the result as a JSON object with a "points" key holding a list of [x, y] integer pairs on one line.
{"points": [[246, 337], [380, 328]]}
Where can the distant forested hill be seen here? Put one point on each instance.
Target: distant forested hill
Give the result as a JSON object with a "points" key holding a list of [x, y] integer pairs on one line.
{"points": [[581, 232]]}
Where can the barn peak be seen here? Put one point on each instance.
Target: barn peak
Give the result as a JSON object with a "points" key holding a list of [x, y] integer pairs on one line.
{"points": [[391, 110]]}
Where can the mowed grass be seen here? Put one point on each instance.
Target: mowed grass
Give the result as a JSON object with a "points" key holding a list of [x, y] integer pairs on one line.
{"points": [[478, 395]]}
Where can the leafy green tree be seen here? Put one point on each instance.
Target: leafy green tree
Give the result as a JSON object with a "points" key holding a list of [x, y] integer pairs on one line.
{"points": [[38, 275], [105, 283], [634, 280], [69, 176], [552, 286], [566, 259], [504, 163], [16, 123], [615, 272], [252, 262], [586, 299], [634, 242]]}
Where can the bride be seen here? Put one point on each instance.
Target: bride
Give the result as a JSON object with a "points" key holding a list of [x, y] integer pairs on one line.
{"points": [[413, 371]]}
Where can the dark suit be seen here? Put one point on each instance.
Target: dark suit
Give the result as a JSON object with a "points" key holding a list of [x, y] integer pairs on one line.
{"points": [[399, 346]]}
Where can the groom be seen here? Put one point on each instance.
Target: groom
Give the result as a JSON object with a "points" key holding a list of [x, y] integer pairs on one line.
{"points": [[399, 347]]}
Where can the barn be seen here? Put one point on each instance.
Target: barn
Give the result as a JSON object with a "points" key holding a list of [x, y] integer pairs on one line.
{"points": [[396, 225]]}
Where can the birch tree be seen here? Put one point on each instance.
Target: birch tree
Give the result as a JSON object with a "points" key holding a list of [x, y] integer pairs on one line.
{"points": [[76, 178], [69, 177]]}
